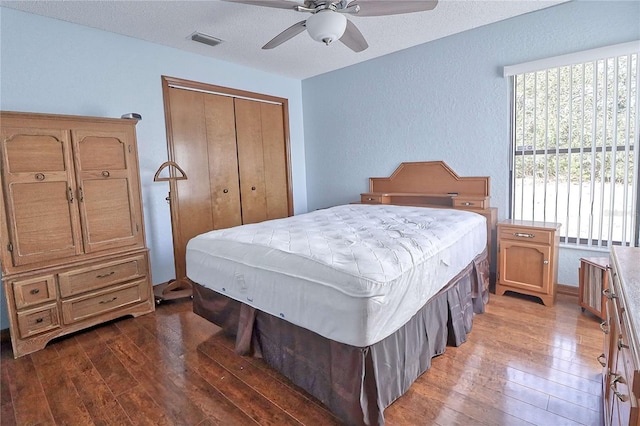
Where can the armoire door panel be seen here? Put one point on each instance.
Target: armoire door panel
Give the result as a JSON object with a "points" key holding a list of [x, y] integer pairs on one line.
{"points": [[223, 161], [251, 160], [107, 213], [41, 211], [275, 158], [102, 152], [43, 222], [108, 199]]}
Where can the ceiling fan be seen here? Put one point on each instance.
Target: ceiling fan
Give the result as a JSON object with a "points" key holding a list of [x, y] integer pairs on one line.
{"points": [[328, 22]]}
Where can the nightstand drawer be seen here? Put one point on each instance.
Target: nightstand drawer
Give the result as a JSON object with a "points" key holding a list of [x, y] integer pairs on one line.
{"points": [[470, 203], [525, 234], [38, 320], [374, 198], [87, 306], [101, 275], [33, 291]]}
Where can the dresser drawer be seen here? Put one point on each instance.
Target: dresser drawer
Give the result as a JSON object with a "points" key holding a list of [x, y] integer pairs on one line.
{"points": [[34, 291], [90, 305], [470, 203], [523, 234], [101, 275], [39, 320]]}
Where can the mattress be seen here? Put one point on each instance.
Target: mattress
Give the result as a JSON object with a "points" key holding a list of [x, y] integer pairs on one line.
{"points": [[354, 273]]}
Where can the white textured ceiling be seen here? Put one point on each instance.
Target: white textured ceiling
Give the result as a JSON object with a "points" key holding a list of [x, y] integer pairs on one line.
{"points": [[245, 29]]}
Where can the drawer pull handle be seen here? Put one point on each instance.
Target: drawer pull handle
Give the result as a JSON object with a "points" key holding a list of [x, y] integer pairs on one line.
{"points": [[608, 294], [105, 173], [39, 176], [369, 199], [523, 235], [622, 345], [103, 302], [105, 275], [39, 320], [467, 204], [253, 188], [604, 326], [35, 291], [614, 382], [600, 359], [226, 191]]}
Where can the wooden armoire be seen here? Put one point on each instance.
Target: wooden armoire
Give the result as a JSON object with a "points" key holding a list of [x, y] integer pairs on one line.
{"points": [[234, 148], [72, 238]]}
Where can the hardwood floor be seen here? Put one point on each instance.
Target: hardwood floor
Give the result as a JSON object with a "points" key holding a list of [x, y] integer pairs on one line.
{"points": [[524, 363]]}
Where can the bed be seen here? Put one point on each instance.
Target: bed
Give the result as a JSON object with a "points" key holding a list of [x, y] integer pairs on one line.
{"points": [[350, 302]]}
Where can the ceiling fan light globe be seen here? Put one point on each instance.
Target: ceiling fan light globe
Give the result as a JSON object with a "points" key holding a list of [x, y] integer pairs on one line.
{"points": [[326, 26]]}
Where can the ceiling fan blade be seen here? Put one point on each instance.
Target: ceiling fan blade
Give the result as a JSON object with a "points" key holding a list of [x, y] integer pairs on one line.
{"points": [[287, 34], [391, 7], [278, 4], [353, 38]]}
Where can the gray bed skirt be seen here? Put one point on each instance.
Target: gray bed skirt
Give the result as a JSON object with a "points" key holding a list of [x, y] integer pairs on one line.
{"points": [[355, 383]]}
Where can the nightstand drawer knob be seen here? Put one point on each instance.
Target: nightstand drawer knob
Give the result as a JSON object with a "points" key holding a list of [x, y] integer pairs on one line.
{"points": [[523, 235], [369, 199], [467, 204]]}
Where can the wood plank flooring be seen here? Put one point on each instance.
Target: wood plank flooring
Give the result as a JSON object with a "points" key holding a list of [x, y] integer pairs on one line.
{"points": [[523, 364]]}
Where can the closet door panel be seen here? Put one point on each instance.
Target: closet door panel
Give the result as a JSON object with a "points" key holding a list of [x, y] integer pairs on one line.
{"points": [[190, 200], [251, 160], [41, 210], [223, 161], [275, 160]]}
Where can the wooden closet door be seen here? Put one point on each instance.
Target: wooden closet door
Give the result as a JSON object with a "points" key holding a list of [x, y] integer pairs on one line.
{"points": [[107, 175], [203, 143], [262, 160], [40, 205]]}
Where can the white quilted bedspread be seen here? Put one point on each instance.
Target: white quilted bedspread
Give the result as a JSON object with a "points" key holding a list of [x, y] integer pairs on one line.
{"points": [[374, 252]]}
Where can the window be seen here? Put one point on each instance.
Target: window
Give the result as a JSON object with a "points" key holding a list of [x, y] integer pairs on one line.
{"points": [[574, 139]]}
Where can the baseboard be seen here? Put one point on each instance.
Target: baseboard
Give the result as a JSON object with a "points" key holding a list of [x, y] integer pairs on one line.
{"points": [[567, 289]]}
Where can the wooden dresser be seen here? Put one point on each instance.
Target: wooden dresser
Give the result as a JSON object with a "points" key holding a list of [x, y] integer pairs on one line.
{"points": [[72, 241], [528, 258], [621, 357]]}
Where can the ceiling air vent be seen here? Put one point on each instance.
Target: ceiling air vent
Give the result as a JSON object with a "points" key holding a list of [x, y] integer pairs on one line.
{"points": [[206, 39]]}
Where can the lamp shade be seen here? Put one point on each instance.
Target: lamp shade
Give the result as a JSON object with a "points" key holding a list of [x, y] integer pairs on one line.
{"points": [[326, 26]]}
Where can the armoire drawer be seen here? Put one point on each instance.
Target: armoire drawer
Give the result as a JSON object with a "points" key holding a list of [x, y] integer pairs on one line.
{"points": [[101, 275], [524, 234], [38, 320], [91, 305], [34, 291]]}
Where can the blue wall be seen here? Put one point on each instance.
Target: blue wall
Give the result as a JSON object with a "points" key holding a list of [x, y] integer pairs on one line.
{"points": [[52, 66], [443, 100]]}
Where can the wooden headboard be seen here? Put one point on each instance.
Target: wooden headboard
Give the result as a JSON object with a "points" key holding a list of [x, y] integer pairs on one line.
{"points": [[434, 184], [430, 177]]}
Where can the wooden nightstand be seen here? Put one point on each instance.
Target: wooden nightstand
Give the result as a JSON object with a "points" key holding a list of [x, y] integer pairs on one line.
{"points": [[593, 280], [528, 258]]}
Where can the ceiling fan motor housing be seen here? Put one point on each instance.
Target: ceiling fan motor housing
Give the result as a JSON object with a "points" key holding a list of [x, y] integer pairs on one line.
{"points": [[326, 26]]}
